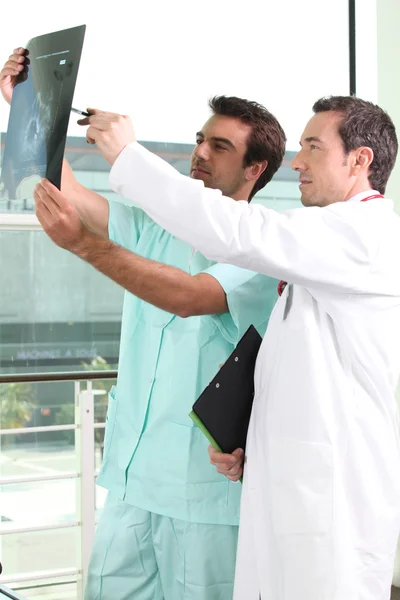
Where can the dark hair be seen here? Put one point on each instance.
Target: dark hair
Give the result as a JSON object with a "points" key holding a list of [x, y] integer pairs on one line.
{"points": [[365, 124], [266, 140]]}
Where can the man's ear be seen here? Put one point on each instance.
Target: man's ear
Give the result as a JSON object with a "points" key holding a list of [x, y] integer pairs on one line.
{"points": [[362, 159], [253, 172]]}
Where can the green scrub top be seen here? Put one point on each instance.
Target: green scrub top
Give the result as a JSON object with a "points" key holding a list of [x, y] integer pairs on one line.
{"points": [[154, 456]]}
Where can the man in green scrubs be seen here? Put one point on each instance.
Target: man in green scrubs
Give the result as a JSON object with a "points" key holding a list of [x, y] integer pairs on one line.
{"points": [[169, 526]]}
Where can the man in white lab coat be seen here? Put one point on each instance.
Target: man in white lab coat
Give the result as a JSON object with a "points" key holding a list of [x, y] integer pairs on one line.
{"points": [[320, 513]]}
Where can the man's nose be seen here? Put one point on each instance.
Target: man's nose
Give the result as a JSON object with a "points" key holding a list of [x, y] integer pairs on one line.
{"points": [[202, 151], [298, 163]]}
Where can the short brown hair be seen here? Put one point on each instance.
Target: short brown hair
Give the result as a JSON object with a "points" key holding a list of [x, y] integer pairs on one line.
{"points": [[365, 124], [267, 139]]}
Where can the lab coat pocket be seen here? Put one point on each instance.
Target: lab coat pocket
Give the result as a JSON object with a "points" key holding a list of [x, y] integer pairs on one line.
{"points": [[110, 420], [301, 486]]}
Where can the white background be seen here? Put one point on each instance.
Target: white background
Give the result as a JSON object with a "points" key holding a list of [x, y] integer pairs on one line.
{"points": [[160, 61]]}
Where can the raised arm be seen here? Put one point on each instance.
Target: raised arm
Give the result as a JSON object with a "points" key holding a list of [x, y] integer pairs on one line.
{"points": [[166, 287], [318, 247], [92, 207]]}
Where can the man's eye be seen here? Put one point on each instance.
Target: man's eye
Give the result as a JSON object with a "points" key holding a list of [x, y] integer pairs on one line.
{"points": [[220, 147], [198, 142], [313, 147]]}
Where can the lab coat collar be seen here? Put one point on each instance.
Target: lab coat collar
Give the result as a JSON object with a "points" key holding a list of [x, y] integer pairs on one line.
{"points": [[362, 195]]}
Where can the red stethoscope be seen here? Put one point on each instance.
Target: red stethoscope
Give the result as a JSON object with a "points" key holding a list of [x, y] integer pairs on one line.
{"points": [[282, 284]]}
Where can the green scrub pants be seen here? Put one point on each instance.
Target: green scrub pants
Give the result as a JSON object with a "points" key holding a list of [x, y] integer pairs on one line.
{"points": [[138, 555]]}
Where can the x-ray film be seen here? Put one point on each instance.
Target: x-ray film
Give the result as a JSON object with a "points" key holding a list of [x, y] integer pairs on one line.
{"points": [[39, 114]]}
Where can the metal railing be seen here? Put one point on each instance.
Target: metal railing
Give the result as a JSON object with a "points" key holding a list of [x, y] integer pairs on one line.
{"points": [[85, 474], [61, 376]]}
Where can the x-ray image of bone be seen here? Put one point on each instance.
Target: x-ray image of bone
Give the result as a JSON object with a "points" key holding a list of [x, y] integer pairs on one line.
{"points": [[35, 136], [25, 159], [39, 115]]}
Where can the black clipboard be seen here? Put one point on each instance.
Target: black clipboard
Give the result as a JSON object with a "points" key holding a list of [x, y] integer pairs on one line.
{"points": [[223, 410], [40, 112]]}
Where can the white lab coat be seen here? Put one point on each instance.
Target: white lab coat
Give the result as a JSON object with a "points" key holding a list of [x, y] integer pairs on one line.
{"points": [[320, 512]]}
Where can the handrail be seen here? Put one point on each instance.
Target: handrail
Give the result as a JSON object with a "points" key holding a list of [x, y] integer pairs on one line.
{"points": [[35, 478], [43, 429], [13, 530], [41, 575], [58, 376]]}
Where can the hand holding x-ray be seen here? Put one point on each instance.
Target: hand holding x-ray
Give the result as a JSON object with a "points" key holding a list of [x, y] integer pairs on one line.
{"points": [[14, 71], [111, 132], [39, 82]]}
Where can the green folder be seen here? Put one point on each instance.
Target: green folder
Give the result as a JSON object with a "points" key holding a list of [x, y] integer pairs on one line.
{"points": [[208, 435], [204, 429]]}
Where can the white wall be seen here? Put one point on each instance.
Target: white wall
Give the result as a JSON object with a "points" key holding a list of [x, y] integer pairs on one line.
{"points": [[388, 20], [388, 14]]}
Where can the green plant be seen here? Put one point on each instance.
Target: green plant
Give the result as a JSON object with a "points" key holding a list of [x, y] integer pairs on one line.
{"points": [[65, 415], [17, 401]]}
